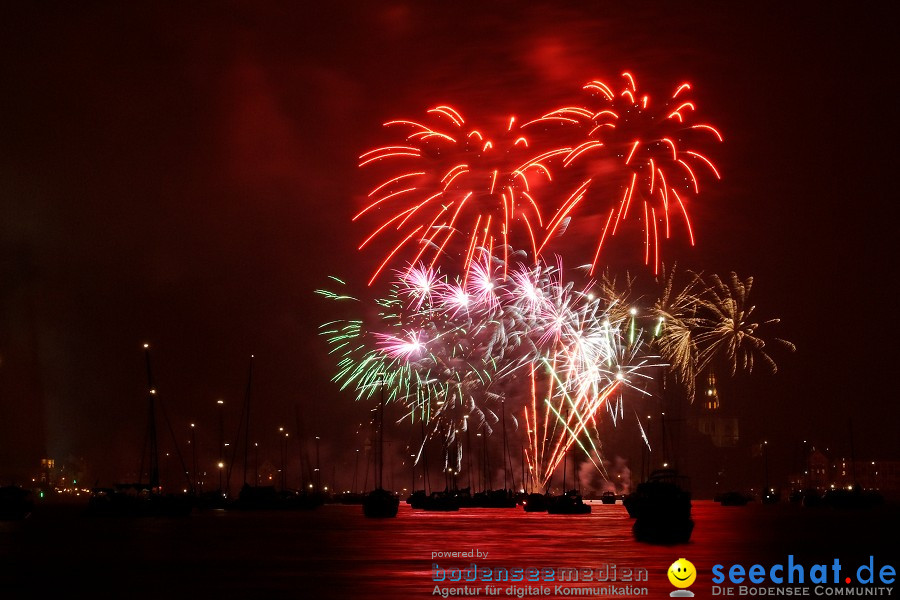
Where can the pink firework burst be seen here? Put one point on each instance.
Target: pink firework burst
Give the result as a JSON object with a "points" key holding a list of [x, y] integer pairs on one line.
{"points": [[406, 347], [653, 146], [450, 188]]}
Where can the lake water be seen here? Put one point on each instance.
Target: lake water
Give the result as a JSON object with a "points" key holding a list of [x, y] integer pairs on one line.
{"points": [[334, 552]]}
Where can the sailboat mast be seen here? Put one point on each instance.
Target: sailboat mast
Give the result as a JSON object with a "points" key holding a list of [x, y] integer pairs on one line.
{"points": [[852, 455], [247, 422], [380, 454], [469, 454], [151, 426], [426, 482], [565, 458], [301, 441], [524, 482], [503, 412]]}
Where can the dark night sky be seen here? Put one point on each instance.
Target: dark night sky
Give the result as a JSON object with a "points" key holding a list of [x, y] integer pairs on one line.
{"points": [[187, 177]]}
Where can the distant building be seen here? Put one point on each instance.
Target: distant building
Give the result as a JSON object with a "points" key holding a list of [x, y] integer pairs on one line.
{"points": [[47, 474], [822, 473], [711, 394], [59, 477], [723, 431]]}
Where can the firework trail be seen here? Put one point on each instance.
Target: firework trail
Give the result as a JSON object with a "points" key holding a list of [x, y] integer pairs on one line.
{"points": [[436, 346], [727, 335], [653, 147], [597, 358], [471, 332], [449, 188], [542, 351], [455, 352], [360, 365], [674, 317]]}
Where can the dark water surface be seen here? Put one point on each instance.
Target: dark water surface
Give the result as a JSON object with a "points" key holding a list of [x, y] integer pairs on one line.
{"points": [[334, 552]]}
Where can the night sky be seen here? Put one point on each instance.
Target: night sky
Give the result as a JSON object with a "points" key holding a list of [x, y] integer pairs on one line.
{"points": [[187, 177]]}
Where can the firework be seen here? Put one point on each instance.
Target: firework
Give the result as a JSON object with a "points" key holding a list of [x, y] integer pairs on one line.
{"points": [[434, 361], [675, 326], [652, 146], [727, 333], [471, 333], [454, 350], [450, 188]]}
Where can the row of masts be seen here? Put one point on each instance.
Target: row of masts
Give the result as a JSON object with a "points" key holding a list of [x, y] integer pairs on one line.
{"points": [[313, 482], [150, 456]]}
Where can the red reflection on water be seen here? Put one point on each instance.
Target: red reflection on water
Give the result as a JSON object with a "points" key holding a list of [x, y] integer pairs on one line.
{"points": [[393, 559], [335, 552]]}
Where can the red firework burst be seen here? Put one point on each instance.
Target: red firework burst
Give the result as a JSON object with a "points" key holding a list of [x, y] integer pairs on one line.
{"points": [[654, 150], [453, 188]]}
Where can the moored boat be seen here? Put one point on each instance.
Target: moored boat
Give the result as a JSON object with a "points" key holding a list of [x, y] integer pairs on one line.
{"points": [[661, 507], [569, 503], [15, 503]]}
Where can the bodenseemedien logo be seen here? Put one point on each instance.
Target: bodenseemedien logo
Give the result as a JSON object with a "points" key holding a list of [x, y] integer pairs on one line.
{"points": [[682, 574]]}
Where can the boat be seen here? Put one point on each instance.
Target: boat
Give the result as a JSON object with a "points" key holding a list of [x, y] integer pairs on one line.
{"points": [[464, 497], [855, 498], [608, 498], [380, 503], [212, 499], [810, 498], [417, 499], [494, 499], [661, 507], [351, 498], [263, 497], [258, 497], [142, 499], [732, 499], [536, 502], [15, 503], [445, 501], [503, 497], [137, 500], [569, 503]]}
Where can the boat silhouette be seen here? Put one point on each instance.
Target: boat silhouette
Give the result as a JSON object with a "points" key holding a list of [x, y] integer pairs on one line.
{"points": [[143, 499], [263, 497], [536, 502], [855, 498], [661, 507], [732, 499], [417, 499], [494, 499], [351, 498], [445, 501], [380, 503], [569, 503], [15, 503], [138, 500], [489, 497], [266, 497]]}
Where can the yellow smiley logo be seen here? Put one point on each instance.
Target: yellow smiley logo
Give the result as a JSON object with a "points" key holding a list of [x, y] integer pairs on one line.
{"points": [[682, 573]]}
